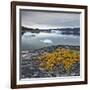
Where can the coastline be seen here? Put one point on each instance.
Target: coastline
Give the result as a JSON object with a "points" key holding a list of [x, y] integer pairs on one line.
{"points": [[30, 64]]}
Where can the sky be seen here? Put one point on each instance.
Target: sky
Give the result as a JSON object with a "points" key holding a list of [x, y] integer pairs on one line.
{"points": [[46, 20]]}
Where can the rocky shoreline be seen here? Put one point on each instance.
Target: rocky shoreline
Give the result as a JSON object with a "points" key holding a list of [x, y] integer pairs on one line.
{"points": [[30, 64]]}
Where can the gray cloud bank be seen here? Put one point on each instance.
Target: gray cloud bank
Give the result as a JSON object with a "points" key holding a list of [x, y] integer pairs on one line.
{"points": [[41, 19]]}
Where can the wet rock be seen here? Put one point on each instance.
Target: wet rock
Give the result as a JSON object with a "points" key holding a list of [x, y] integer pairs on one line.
{"points": [[76, 69]]}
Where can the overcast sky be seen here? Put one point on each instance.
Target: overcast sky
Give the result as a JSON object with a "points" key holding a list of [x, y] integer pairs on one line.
{"points": [[39, 19]]}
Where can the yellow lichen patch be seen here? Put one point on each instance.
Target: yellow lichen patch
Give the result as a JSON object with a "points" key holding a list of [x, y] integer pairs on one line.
{"points": [[67, 57]]}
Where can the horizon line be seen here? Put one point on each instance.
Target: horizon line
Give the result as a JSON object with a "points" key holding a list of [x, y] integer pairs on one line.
{"points": [[52, 27]]}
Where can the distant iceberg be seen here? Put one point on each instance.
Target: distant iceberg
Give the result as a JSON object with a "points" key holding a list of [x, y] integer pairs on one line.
{"points": [[56, 31], [47, 41], [29, 34]]}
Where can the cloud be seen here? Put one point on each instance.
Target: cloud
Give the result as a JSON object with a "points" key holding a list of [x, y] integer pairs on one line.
{"points": [[43, 19]]}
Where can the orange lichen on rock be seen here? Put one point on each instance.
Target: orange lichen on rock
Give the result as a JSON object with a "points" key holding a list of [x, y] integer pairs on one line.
{"points": [[67, 57]]}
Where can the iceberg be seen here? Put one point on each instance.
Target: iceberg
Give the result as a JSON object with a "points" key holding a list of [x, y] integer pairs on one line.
{"points": [[47, 41]]}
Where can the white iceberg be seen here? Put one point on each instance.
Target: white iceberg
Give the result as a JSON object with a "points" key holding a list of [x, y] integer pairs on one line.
{"points": [[29, 34], [47, 41], [56, 31]]}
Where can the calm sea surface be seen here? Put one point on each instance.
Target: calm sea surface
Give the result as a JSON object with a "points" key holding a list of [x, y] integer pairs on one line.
{"points": [[30, 41]]}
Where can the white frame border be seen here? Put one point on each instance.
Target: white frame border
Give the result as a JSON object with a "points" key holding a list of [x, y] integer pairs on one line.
{"points": [[56, 79]]}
